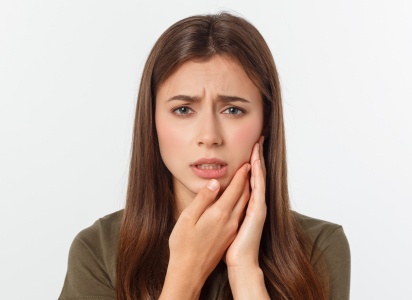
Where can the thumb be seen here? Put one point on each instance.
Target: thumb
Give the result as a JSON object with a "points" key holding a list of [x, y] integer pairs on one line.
{"points": [[203, 199]]}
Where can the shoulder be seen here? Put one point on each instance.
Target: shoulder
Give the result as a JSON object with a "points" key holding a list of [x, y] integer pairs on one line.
{"points": [[92, 259], [319, 230], [330, 246], [326, 236], [100, 239], [105, 230]]}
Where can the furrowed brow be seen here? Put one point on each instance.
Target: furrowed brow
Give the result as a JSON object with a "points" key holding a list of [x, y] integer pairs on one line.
{"points": [[226, 98], [184, 98]]}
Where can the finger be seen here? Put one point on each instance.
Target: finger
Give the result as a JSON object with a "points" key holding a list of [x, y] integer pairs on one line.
{"points": [[239, 207], [235, 189], [259, 183], [203, 199], [256, 210], [258, 192], [253, 157], [250, 231], [255, 153]]}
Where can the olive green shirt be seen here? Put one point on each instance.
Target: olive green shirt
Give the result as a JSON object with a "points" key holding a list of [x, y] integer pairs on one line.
{"points": [[92, 259]]}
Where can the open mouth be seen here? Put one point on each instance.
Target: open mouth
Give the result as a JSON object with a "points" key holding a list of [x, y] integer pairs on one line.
{"points": [[209, 166], [209, 171]]}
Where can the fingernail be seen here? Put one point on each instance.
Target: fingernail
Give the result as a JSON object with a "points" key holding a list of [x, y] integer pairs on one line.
{"points": [[213, 185]]}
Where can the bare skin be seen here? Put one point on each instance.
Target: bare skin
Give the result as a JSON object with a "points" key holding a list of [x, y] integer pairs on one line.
{"points": [[209, 119], [208, 231]]}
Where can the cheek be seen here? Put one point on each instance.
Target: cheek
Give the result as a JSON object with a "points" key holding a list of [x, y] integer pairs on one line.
{"points": [[244, 139], [167, 142], [165, 136], [171, 140]]}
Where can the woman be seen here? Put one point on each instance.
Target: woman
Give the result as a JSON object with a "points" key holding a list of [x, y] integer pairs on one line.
{"points": [[207, 213]]}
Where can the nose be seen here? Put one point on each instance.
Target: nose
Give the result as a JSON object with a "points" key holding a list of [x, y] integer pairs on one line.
{"points": [[209, 134]]}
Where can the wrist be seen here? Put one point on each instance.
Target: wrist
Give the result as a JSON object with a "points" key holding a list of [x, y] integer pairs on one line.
{"points": [[180, 284], [247, 282], [240, 273]]}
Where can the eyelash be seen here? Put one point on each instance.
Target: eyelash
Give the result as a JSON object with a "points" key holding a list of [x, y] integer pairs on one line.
{"points": [[178, 111], [239, 110]]}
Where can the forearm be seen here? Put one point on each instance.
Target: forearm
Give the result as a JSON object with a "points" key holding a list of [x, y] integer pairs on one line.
{"points": [[179, 291], [247, 283], [180, 285]]}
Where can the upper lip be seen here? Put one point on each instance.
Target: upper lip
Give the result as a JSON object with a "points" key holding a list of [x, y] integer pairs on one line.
{"points": [[209, 161]]}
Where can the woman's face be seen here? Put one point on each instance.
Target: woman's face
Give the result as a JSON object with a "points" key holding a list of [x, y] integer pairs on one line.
{"points": [[208, 117]]}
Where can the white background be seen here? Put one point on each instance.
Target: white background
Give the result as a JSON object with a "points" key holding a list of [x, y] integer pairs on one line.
{"points": [[69, 72]]}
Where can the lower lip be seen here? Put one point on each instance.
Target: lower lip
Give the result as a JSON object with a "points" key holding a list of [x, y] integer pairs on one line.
{"points": [[209, 174]]}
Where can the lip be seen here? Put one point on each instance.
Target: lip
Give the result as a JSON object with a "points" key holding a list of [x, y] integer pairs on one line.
{"points": [[209, 173]]}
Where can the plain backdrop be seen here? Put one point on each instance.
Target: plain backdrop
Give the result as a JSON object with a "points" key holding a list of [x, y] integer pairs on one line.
{"points": [[69, 74]]}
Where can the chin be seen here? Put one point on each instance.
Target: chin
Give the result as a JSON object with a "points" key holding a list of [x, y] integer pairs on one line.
{"points": [[197, 185], [222, 182]]}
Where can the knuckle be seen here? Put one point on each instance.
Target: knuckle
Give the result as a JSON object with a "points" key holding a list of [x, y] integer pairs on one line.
{"points": [[186, 215], [233, 226], [220, 215]]}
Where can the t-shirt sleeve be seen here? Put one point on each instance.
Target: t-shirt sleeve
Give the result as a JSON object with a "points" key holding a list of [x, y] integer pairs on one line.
{"points": [[90, 271], [331, 251], [334, 248]]}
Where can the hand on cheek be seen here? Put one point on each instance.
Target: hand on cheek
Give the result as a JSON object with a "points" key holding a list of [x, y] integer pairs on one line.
{"points": [[245, 248], [242, 257], [202, 234]]}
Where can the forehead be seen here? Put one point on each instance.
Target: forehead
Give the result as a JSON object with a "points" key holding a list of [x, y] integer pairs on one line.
{"points": [[219, 74]]}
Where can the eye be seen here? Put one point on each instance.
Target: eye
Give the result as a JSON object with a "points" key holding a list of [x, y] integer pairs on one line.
{"points": [[234, 111], [182, 110]]}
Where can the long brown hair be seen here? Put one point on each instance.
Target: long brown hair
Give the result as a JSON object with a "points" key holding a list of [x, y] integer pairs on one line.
{"points": [[148, 219]]}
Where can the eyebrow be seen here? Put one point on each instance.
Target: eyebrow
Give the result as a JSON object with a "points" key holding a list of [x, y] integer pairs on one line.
{"points": [[226, 98], [184, 98], [222, 98]]}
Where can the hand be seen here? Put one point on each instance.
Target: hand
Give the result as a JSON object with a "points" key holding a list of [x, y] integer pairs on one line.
{"points": [[202, 234], [245, 276], [245, 248]]}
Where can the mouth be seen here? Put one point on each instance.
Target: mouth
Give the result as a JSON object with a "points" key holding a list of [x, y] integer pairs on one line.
{"points": [[209, 168]]}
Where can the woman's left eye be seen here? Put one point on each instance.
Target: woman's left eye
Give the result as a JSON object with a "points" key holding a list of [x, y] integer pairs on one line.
{"points": [[234, 111]]}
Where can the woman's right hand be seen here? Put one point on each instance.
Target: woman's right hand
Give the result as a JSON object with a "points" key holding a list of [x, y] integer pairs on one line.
{"points": [[202, 234]]}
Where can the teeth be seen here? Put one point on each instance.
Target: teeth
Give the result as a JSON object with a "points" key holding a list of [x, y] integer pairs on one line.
{"points": [[209, 167]]}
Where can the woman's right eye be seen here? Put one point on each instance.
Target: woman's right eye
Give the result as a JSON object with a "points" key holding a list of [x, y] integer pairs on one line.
{"points": [[183, 110]]}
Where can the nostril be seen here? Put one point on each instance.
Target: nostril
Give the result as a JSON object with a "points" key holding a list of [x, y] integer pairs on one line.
{"points": [[210, 141]]}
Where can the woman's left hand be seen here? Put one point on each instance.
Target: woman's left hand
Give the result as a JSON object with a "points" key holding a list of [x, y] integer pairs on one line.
{"points": [[245, 275]]}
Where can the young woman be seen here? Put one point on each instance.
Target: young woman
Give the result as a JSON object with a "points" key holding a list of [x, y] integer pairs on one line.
{"points": [[207, 213]]}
